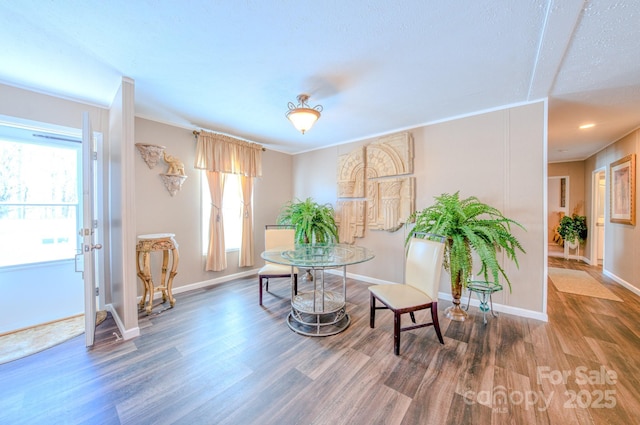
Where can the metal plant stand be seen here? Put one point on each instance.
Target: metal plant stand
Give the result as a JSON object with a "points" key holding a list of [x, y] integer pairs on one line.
{"points": [[483, 290]]}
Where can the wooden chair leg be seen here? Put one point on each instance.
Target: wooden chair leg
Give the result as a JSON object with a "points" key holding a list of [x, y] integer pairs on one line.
{"points": [[413, 316], [372, 311], [260, 288], [295, 284], [396, 333], [436, 323]]}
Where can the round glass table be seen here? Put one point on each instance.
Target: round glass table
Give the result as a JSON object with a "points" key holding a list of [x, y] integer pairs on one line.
{"points": [[320, 311]]}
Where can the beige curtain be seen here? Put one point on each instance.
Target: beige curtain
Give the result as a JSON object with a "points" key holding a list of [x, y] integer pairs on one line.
{"points": [[218, 153], [226, 154], [245, 258], [216, 255]]}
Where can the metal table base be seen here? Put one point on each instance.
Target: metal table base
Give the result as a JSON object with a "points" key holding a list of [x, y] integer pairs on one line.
{"points": [[319, 312]]}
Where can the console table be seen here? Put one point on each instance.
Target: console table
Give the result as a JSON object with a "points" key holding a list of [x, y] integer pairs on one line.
{"points": [[322, 310], [166, 243]]}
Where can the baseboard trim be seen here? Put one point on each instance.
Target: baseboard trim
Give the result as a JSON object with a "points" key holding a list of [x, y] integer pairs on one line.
{"points": [[126, 334], [501, 308], [621, 282], [507, 309], [205, 283]]}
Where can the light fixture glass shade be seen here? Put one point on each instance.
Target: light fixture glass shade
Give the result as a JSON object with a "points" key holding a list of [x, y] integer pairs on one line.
{"points": [[303, 118], [301, 115]]}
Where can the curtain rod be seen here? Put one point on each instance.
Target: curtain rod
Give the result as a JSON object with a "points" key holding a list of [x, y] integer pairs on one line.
{"points": [[196, 133]]}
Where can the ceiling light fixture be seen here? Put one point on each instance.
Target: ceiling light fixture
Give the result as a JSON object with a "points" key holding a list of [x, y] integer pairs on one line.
{"points": [[585, 126], [302, 116]]}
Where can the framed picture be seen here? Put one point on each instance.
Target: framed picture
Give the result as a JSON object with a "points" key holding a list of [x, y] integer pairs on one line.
{"points": [[623, 188]]}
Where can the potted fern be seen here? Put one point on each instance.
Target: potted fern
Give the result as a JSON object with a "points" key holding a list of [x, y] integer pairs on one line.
{"points": [[314, 223], [468, 226]]}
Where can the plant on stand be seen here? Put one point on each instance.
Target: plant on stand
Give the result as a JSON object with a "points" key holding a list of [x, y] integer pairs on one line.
{"points": [[468, 226], [573, 229]]}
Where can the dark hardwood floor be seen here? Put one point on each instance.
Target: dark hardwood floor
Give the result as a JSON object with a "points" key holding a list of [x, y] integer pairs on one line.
{"points": [[220, 358]]}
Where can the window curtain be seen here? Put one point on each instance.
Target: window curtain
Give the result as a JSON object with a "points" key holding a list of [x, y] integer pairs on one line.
{"points": [[245, 258], [216, 254], [218, 153]]}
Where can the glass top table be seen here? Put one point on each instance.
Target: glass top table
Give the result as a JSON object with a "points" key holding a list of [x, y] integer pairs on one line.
{"points": [[320, 311]]}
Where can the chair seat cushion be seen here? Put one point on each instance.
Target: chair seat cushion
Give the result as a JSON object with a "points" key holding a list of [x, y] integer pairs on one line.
{"points": [[276, 269], [400, 296]]}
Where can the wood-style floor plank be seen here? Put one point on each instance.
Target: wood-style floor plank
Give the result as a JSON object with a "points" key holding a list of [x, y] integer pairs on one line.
{"points": [[220, 358]]}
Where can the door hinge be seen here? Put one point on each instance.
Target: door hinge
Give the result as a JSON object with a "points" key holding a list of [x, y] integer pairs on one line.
{"points": [[97, 291], [94, 155], [95, 224]]}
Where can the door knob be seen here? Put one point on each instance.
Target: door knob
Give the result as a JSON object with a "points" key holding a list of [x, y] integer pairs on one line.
{"points": [[96, 246]]}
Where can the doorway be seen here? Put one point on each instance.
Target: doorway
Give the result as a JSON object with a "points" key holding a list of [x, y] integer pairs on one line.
{"points": [[558, 207], [599, 197], [40, 212]]}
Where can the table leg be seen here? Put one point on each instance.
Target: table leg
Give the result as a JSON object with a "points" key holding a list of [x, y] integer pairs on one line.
{"points": [[143, 279], [163, 276], [146, 266], [491, 303], [174, 271]]}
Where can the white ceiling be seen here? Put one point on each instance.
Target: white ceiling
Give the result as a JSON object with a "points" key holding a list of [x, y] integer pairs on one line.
{"points": [[375, 66]]}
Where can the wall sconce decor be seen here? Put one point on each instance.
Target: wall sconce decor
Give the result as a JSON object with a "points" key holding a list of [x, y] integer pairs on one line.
{"points": [[174, 177], [151, 154], [173, 182]]}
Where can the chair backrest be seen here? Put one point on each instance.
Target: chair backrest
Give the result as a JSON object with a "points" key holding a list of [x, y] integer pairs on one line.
{"points": [[424, 265], [279, 236]]}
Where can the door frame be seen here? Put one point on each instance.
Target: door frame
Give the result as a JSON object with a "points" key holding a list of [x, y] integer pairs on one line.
{"points": [[566, 203], [593, 240]]}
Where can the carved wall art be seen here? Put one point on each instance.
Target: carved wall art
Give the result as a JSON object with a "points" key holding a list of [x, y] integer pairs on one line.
{"points": [[390, 202], [351, 168], [369, 172], [350, 218], [391, 155]]}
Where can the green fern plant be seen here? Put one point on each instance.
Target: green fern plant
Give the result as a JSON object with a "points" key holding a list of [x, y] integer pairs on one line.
{"points": [[573, 228], [314, 223], [469, 225]]}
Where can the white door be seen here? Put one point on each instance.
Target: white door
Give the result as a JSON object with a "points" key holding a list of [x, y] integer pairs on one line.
{"points": [[89, 224]]}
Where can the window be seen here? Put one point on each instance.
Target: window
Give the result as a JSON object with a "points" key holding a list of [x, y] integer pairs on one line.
{"points": [[231, 211], [40, 194]]}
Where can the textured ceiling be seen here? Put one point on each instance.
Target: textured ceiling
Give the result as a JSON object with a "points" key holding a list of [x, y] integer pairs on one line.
{"points": [[375, 66]]}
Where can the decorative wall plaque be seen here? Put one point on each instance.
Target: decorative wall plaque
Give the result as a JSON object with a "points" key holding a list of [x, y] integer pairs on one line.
{"points": [[390, 202], [368, 172], [350, 218], [391, 155], [351, 174]]}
